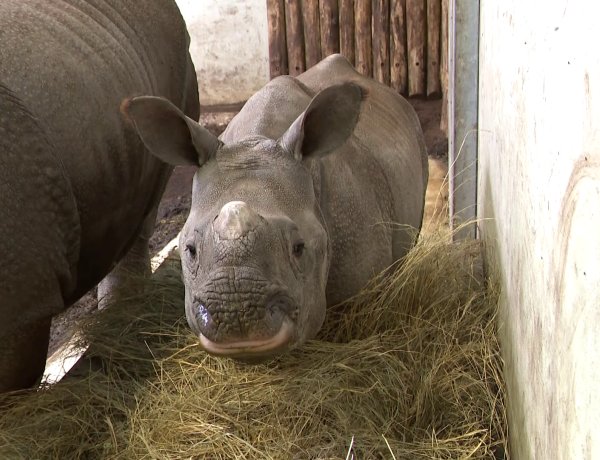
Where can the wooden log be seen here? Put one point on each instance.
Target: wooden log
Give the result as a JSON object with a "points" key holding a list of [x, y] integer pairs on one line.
{"points": [[294, 37], [364, 57], [277, 47], [398, 55], [434, 14], [444, 68], [415, 40], [444, 47], [381, 41], [330, 27], [312, 32], [347, 29]]}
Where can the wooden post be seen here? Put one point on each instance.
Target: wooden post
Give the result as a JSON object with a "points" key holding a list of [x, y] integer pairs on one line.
{"points": [[277, 47], [416, 35], [434, 12], [398, 64], [347, 29], [362, 15], [312, 32], [381, 41], [444, 68], [295, 37], [330, 27]]}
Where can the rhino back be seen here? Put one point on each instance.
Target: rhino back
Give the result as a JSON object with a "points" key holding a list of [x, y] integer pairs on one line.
{"points": [[371, 188], [388, 123], [71, 63], [374, 186]]}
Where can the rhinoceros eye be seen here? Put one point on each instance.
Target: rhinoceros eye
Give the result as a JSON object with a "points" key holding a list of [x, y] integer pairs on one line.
{"points": [[298, 248], [190, 248]]}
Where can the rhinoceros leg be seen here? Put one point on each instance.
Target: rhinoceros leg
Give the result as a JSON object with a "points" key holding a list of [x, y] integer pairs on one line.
{"points": [[23, 355], [125, 278]]}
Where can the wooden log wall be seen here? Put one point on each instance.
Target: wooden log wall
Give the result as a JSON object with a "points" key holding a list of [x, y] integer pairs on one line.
{"points": [[401, 43], [277, 40], [444, 67]]}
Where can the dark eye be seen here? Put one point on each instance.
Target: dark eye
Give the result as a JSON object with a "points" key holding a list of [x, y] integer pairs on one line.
{"points": [[298, 248], [191, 250]]}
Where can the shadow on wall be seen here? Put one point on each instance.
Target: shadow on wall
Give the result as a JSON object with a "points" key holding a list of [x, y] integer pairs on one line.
{"points": [[493, 263]]}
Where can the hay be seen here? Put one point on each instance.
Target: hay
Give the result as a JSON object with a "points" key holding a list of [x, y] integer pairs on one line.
{"points": [[410, 369]]}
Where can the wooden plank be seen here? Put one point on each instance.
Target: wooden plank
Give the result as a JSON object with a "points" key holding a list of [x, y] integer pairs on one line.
{"points": [[444, 68], [312, 32], [294, 37], [415, 40], [364, 57], [347, 29], [330, 27], [277, 47], [381, 41], [434, 14], [398, 55]]}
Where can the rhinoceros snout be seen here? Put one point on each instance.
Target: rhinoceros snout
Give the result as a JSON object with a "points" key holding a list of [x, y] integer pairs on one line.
{"points": [[246, 331]]}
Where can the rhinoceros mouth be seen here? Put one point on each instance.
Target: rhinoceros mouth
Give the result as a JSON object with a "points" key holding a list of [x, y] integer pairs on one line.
{"points": [[251, 348]]}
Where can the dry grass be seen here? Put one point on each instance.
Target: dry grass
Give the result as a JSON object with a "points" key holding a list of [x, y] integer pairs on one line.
{"points": [[410, 369]]}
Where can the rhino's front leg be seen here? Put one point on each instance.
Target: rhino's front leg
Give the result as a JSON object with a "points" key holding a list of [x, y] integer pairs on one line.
{"points": [[127, 277], [23, 355]]}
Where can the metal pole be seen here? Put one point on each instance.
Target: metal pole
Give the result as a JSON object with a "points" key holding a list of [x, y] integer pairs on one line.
{"points": [[463, 85]]}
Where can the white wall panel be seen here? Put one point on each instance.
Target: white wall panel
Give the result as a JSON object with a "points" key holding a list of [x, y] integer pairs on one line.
{"points": [[539, 188], [229, 47]]}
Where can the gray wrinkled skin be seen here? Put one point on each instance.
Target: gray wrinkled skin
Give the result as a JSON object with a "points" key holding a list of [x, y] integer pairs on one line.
{"points": [[78, 190], [315, 186]]}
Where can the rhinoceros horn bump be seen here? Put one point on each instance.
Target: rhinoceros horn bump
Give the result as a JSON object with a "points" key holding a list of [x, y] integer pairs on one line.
{"points": [[235, 220]]}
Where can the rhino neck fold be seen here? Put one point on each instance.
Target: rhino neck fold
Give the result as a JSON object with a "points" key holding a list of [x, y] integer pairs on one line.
{"points": [[317, 172]]}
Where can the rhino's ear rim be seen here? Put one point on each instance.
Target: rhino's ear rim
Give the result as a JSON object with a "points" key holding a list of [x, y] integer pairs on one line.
{"points": [[327, 122], [168, 133]]}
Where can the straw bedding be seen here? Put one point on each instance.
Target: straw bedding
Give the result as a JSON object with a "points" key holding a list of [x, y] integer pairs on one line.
{"points": [[409, 369]]}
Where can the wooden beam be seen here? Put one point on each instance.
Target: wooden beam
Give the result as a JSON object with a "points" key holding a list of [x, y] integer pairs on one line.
{"points": [[416, 39], [381, 41], [312, 32], [347, 29], [398, 54], [434, 14], [294, 37], [444, 68], [277, 44], [364, 56], [330, 27]]}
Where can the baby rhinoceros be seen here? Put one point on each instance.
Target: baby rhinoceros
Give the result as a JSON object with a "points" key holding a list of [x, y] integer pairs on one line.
{"points": [[315, 186]]}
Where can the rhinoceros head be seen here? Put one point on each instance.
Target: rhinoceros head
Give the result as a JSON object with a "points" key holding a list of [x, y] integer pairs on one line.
{"points": [[255, 251]]}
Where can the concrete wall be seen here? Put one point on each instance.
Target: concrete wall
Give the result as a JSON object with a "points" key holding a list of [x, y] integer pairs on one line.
{"points": [[229, 47], [539, 184]]}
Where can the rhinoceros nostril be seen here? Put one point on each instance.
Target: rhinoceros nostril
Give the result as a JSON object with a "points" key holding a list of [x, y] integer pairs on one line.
{"points": [[277, 309], [203, 316]]}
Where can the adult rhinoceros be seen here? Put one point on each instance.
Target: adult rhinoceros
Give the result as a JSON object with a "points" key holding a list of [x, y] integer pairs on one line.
{"points": [[314, 187], [78, 190]]}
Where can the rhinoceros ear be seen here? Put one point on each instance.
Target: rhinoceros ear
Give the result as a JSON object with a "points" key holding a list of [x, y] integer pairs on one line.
{"points": [[326, 123], [168, 133]]}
